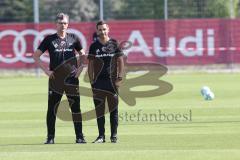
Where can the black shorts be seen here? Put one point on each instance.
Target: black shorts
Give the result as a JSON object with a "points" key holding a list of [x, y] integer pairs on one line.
{"points": [[105, 85]]}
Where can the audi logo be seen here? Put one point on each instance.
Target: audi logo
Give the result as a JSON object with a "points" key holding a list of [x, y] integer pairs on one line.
{"points": [[20, 44]]}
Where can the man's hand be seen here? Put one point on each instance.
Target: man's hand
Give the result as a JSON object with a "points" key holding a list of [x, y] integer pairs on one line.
{"points": [[50, 74], [118, 83], [79, 71]]}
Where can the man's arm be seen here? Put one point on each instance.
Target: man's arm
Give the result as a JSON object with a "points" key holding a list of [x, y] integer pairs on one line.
{"points": [[120, 69], [80, 61], [120, 62], [90, 71], [36, 57]]}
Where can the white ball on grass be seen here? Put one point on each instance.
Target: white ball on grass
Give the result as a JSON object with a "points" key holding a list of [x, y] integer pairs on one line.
{"points": [[207, 93]]}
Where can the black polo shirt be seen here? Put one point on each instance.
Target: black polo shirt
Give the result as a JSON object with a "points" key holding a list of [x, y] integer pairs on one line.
{"points": [[104, 58], [60, 49]]}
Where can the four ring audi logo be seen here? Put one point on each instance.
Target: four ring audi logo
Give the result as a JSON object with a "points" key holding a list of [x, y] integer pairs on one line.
{"points": [[20, 44]]}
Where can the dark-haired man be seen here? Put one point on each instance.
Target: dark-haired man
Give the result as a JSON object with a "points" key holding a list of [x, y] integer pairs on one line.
{"points": [[61, 47], [105, 71]]}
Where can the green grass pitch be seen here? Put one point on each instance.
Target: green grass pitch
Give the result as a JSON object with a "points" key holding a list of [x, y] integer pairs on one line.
{"points": [[209, 131]]}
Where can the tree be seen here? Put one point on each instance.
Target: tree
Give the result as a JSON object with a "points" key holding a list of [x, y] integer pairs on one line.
{"points": [[16, 11], [78, 10], [134, 9], [154, 9], [199, 8]]}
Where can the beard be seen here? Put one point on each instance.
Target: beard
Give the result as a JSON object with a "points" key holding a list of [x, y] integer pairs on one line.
{"points": [[101, 34]]}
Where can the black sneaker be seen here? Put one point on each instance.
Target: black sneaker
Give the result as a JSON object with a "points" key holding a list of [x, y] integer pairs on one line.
{"points": [[100, 139], [49, 141], [80, 140], [113, 139]]}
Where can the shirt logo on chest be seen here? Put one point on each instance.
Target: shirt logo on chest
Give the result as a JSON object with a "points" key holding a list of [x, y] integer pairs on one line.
{"points": [[109, 48], [63, 44], [55, 44], [97, 51]]}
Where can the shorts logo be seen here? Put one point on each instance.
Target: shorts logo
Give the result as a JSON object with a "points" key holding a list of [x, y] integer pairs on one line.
{"points": [[77, 90]]}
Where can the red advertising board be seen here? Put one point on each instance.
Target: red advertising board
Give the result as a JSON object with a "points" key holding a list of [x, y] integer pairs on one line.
{"points": [[173, 42]]}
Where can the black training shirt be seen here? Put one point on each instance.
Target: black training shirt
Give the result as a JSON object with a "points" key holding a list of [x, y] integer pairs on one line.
{"points": [[105, 58], [60, 49]]}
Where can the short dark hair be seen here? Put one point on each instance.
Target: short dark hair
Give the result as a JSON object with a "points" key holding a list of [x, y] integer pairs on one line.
{"points": [[99, 23], [60, 16]]}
